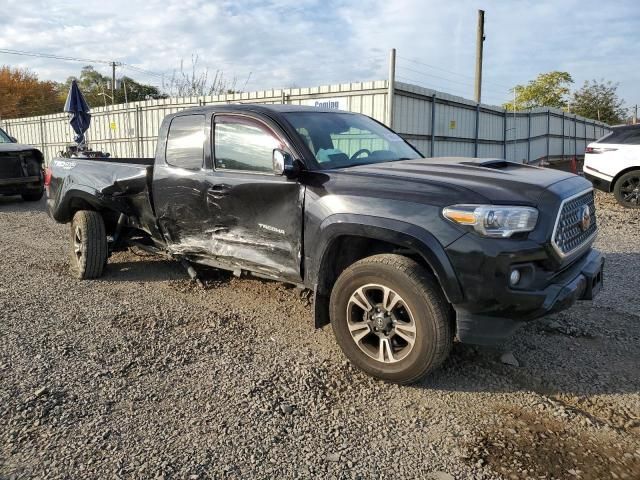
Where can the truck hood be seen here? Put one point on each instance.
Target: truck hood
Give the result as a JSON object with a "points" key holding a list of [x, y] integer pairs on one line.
{"points": [[18, 147], [495, 180]]}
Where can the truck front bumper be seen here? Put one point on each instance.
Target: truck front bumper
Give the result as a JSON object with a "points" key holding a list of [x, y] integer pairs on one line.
{"points": [[16, 186], [491, 318]]}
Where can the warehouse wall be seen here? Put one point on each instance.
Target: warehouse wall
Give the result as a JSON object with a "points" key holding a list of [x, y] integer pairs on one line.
{"points": [[456, 127]]}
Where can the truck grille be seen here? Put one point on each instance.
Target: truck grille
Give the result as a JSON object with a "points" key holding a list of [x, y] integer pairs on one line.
{"points": [[10, 166], [573, 228]]}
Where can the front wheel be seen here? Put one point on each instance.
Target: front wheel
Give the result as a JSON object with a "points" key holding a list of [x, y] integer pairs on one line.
{"points": [[391, 319], [627, 189], [88, 245]]}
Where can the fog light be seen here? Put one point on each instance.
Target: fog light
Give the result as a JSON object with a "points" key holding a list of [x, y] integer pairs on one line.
{"points": [[514, 278]]}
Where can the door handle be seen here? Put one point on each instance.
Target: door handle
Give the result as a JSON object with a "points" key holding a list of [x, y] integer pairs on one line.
{"points": [[218, 191]]}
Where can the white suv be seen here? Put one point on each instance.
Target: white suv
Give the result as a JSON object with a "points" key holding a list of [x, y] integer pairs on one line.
{"points": [[612, 164]]}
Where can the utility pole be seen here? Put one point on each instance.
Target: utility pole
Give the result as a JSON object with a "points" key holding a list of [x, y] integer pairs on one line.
{"points": [[392, 87], [635, 114], [113, 83], [479, 45]]}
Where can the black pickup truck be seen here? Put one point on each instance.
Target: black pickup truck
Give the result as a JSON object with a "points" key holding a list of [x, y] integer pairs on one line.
{"points": [[21, 169], [403, 254]]}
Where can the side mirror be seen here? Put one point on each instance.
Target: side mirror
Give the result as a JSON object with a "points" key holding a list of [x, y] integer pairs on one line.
{"points": [[284, 164], [13, 139]]}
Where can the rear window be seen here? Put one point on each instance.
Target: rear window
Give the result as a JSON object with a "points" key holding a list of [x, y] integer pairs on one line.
{"points": [[622, 136], [185, 142]]}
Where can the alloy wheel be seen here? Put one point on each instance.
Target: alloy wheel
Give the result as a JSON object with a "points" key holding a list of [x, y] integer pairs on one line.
{"points": [[381, 323], [630, 190], [77, 243]]}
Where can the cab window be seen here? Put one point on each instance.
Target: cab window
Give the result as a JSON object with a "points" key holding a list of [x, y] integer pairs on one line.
{"points": [[185, 142], [242, 143]]}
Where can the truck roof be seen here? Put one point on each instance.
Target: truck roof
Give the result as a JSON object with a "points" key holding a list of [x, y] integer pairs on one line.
{"points": [[258, 107]]}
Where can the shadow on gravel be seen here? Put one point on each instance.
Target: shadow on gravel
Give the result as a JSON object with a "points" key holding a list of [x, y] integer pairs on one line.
{"points": [[155, 269], [15, 204], [151, 268]]}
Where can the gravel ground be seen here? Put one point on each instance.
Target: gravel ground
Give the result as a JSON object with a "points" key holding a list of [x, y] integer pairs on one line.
{"points": [[142, 375]]}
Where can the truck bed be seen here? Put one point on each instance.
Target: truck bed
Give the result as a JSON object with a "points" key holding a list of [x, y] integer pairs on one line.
{"points": [[109, 185], [126, 160]]}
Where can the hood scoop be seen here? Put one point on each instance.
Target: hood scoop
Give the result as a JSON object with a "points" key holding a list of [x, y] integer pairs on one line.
{"points": [[494, 164]]}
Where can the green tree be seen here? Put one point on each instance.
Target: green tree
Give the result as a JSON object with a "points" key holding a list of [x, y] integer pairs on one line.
{"points": [[97, 88], [599, 100], [550, 89]]}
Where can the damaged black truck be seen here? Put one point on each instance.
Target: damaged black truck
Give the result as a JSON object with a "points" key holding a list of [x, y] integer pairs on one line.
{"points": [[404, 254]]}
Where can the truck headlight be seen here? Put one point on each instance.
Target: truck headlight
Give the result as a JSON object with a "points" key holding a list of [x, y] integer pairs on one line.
{"points": [[493, 220]]}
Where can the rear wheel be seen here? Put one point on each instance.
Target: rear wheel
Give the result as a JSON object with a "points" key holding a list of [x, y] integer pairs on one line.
{"points": [[627, 189], [32, 196], [391, 319], [88, 244]]}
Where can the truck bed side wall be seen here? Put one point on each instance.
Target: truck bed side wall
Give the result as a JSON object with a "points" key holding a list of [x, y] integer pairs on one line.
{"points": [[110, 187]]}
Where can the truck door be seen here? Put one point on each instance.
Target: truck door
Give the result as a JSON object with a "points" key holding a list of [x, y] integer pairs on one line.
{"points": [[255, 216]]}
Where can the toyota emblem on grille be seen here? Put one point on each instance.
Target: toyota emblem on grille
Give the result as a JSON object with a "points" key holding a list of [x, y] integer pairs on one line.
{"points": [[585, 218]]}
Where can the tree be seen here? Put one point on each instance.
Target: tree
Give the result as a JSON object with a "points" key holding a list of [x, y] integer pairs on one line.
{"points": [[199, 83], [547, 90], [23, 95], [97, 88], [599, 100]]}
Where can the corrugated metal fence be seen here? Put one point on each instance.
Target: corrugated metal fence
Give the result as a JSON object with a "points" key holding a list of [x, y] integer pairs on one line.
{"points": [[455, 126], [461, 127]]}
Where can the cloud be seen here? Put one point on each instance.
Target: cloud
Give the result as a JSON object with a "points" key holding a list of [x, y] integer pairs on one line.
{"points": [[312, 42]]}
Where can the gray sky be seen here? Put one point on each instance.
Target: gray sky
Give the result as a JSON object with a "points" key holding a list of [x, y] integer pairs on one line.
{"points": [[309, 43]]}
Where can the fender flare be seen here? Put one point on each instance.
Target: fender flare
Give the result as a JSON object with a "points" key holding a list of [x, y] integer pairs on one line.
{"points": [[397, 232], [62, 211]]}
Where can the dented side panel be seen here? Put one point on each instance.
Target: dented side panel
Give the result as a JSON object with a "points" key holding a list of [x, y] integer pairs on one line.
{"points": [[110, 187], [241, 220]]}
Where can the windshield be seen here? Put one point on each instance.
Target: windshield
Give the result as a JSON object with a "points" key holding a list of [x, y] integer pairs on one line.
{"points": [[339, 140], [4, 138]]}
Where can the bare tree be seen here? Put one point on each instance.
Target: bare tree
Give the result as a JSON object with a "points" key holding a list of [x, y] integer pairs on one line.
{"points": [[199, 82]]}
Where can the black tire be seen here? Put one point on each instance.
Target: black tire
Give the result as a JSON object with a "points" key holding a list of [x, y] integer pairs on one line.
{"points": [[627, 189], [32, 196], [425, 302], [88, 245]]}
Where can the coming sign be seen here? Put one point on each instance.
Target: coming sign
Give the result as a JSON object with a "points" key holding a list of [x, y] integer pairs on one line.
{"points": [[339, 103]]}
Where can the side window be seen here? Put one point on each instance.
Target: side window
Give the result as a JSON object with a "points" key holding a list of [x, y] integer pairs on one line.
{"points": [[633, 138], [242, 143], [622, 136], [185, 142]]}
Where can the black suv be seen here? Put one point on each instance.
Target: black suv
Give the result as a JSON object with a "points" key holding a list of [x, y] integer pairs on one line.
{"points": [[21, 170]]}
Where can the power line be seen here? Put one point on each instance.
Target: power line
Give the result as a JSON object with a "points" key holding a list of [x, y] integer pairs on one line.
{"points": [[420, 72], [444, 89], [141, 70], [50, 55], [433, 86], [450, 71], [77, 59]]}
